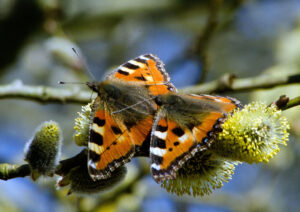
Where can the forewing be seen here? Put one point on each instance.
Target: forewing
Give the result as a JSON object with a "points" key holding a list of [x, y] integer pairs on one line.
{"points": [[146, 70], [171, 146], [227, 104], [110, 145], [213, 112]]}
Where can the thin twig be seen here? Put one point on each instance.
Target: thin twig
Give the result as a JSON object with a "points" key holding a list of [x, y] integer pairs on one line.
{"points": [[10, 171], [292, 103], [43, 94], [230, 83], [281, 102], [203, 39]]}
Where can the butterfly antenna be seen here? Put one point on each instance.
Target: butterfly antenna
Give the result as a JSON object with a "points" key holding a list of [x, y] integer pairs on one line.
{"points": [[131, 106], [74, 83], [84, 63]]}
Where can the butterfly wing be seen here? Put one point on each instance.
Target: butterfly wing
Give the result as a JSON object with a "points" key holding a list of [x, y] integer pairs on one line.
{"points": [[211, 112], [110, 145], [147, 70], [171, 145], [185, 125]]}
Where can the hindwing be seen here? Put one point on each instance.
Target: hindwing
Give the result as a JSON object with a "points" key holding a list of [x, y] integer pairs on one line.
{"points": [[185, 124]]}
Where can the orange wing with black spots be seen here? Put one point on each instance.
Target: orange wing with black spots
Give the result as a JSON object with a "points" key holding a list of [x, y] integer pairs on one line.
{"points": [[146, 70], [171, 145], [184, 125], [110, 145], [140, 134]]}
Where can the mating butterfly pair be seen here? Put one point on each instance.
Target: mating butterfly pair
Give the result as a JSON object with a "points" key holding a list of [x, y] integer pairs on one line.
{"points": [[138, 112]]}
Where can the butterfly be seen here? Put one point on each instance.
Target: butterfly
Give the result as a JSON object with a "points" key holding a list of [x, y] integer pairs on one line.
{"points": [[183, 126], [123, 113]]}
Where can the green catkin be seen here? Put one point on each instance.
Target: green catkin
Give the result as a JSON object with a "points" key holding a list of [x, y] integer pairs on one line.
{"points": [[82, 124], [43, 150], [253, 134], [200, 175]]}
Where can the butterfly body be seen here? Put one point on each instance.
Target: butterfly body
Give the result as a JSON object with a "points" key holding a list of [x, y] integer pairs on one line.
{"points": [[184, 125], [118, 95]]}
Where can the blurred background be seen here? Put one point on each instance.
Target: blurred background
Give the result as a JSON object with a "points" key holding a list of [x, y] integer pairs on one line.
{"points": [[199, 41]]}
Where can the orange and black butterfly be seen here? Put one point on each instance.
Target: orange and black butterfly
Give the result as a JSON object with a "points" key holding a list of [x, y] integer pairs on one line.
{"points": [[183, 126], [123, 112], [137, 103]]}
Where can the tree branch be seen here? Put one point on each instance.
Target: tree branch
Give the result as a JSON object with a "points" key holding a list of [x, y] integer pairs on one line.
{"points": [[43, 94], [10, 171], [230, 83], [66, 165], [292, 103]]}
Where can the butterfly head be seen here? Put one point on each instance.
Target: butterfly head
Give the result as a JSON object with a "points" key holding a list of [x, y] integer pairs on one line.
{"points": [[94, 86], [105, 89], [159, 100]]}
